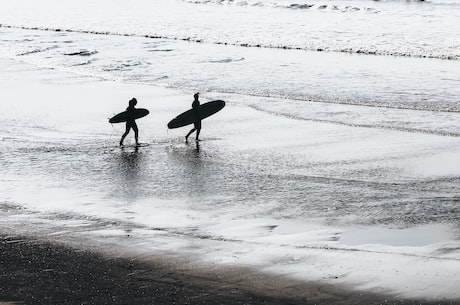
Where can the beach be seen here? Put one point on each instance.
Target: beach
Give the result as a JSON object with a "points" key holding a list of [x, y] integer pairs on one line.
{"points": [[331, 176], [47, 272], [39, 272]]}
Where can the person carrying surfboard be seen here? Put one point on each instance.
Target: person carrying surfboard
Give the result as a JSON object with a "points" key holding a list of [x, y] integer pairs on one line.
{"points": [[131, 123], [197, 122]]}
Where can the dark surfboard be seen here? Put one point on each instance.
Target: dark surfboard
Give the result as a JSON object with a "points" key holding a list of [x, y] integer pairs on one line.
{"points": [[188, 117], [131, 115]]}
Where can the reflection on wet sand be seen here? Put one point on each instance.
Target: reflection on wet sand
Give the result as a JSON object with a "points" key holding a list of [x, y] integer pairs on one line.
{"points": [[128, 175]]}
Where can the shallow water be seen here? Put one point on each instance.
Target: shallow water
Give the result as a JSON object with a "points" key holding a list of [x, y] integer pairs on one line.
{"points": [[302, 189]]}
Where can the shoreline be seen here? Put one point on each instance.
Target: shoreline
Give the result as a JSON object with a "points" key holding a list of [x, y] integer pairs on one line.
{"points": [[38, 271]]}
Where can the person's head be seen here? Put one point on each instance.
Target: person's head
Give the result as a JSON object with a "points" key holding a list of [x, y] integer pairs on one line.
{"points": [[132, 102], [195, 96]]}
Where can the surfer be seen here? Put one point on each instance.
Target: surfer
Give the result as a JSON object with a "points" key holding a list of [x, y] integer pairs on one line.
{"points": [[131, 123], [197, 123]]}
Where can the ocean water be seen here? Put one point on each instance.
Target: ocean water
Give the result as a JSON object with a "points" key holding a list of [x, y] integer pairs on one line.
{"points": [[340, 139]]}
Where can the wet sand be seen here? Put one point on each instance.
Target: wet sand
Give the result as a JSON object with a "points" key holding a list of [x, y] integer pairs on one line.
{"points": [[35, 271]]}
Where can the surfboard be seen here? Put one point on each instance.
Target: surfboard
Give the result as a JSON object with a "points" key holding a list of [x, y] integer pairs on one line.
{"points": [[131, 115], [188, 117]]}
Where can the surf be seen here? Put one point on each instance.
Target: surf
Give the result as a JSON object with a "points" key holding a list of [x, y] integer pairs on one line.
{"points": [[254, 44]]}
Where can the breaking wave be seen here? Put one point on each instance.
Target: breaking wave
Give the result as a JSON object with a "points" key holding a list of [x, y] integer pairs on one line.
{"points": [[303, 5], [415, 53], [294, 6]]}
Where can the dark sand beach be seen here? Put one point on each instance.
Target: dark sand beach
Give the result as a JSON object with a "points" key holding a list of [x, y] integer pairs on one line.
{"points": [[35, 271]]}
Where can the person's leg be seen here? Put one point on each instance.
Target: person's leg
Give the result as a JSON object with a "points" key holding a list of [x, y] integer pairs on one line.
{"points": [[189, 133], [136, 133], [125, 134], [198, 129]]}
